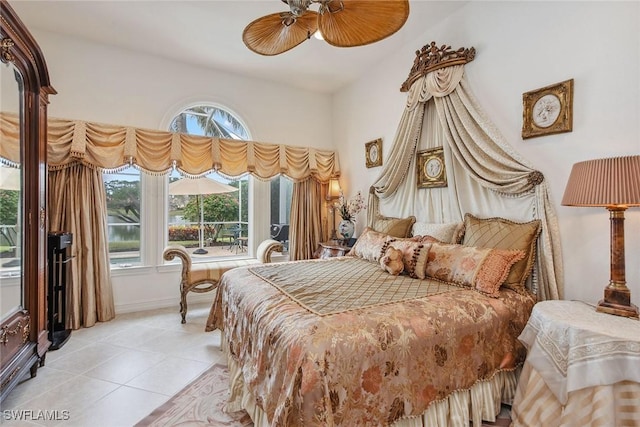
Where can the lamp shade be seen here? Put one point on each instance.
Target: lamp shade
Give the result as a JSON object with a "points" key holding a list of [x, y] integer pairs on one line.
{"points": [[333, 192], [613, 181]]}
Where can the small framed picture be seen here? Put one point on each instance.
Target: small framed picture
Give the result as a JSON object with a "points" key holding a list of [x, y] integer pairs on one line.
{"points": [[548, 110], [373, 153], [431, 168]]}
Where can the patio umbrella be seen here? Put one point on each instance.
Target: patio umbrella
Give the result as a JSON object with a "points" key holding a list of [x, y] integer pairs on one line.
{"points": [[200, 187], [9, 178]]}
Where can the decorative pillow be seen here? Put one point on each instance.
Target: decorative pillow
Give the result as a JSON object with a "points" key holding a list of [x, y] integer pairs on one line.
{"points": [[370, 245], [427, 239], [395, 227], [443, 232], [483, 269], [392, 262], [501, 233], [414, 256]]}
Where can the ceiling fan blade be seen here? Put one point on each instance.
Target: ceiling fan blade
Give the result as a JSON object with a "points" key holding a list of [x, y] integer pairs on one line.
{"points": [[348, 23], [277, 33]]}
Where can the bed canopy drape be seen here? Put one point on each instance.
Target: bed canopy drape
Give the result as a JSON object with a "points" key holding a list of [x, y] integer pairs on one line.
{"points": [[485, 175], [79, 151]]}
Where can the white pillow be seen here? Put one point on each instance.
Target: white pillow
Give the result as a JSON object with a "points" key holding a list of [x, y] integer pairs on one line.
{"points": [[446, 233]]}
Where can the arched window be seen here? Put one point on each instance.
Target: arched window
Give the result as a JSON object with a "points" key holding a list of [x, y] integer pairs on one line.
{"points": [[214, 223], [209, 120]]}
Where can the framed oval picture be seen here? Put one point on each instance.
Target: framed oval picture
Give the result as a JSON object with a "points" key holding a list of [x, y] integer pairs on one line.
{"points": [[430, 168], [548, 110], [373, 153]]}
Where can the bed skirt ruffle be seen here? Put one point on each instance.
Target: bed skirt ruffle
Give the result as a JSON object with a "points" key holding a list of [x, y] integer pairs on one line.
{"points": [[481, 402]]}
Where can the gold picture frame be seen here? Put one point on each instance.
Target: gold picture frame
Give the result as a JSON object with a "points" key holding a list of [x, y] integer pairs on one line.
{"points": [[548, 110], [373, 153], [431, 169]]}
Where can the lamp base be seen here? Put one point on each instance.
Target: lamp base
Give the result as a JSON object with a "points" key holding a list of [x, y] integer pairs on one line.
{"points": [[614, 308]]}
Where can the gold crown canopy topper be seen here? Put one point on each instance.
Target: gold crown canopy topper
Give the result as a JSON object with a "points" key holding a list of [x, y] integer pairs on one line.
{"points": [[431, 57]]}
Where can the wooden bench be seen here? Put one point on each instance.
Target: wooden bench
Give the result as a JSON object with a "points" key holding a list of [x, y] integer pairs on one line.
{"points": [[204, 276]]}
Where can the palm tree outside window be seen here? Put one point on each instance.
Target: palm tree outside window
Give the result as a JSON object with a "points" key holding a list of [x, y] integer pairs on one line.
{"points": [[225, 217]]}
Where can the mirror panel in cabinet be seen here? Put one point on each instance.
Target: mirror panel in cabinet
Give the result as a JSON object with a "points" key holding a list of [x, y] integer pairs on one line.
{"points": [[11, 230]]}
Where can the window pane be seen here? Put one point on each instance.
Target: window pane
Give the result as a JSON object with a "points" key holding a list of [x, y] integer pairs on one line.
{"points": [[208, 120], [123, 217], [281, 192], [214, 224]]}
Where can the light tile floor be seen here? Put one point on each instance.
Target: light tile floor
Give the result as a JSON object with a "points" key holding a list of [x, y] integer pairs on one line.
{"points": [[115, 373]]}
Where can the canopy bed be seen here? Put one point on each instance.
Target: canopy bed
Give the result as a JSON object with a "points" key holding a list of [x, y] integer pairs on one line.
{"points": [[349, 340]]}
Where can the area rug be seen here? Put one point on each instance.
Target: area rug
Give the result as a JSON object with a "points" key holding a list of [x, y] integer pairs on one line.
{"points": [[200, 404]]}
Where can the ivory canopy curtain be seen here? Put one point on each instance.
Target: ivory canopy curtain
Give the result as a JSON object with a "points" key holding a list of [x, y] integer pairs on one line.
{"points": [[485, 175]]}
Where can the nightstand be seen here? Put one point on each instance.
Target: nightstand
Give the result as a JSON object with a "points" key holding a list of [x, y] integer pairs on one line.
{"points": [[582, 368], [330, 249]]}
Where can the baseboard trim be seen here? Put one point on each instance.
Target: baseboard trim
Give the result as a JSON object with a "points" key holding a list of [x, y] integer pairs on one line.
{"points": [[162, 303]]}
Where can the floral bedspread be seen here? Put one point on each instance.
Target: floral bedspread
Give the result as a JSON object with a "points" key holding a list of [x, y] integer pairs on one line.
{"points": [[362, 366]]}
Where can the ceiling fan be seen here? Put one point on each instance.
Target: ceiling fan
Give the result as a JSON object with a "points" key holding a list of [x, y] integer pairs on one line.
{"points": [[342, 23]]}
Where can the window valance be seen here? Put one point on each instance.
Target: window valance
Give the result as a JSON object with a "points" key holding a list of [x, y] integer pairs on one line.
{"points": [[104, 146]]}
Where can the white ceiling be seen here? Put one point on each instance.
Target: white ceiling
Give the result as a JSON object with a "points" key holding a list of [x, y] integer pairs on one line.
{"points": [[208, 33]]}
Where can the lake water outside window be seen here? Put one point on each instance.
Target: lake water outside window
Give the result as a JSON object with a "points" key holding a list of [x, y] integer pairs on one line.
{"points": [[124, 216]]}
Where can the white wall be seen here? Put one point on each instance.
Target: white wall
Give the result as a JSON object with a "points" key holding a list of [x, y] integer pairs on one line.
{"points": [[523, 46], [111, 85]]}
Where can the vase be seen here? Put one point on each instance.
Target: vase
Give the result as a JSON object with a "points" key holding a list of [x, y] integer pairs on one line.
{"points": [[346, 229]]}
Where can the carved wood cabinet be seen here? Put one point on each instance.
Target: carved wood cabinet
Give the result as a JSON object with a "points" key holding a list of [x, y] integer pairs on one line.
{"points": [[24, 91]]}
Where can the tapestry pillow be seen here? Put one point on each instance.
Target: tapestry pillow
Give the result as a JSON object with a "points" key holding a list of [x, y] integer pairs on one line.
{"points": [[395, 227], [370, 245], [483, 269], [500, 233], [414, 256], [447, 232]]}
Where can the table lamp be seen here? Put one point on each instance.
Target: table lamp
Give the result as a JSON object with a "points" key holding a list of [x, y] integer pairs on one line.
{"points": [[612, 183], [333, 192]]}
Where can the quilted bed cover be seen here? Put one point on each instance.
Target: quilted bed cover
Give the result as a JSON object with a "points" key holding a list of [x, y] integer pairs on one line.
{"points": [[342, 342]]}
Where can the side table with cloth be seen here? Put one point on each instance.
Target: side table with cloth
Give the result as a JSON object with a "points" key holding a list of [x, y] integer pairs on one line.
{"points": [[582, 368]]}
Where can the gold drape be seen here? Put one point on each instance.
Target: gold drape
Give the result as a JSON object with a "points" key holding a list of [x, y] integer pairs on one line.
{"points": [[105, 146], [77, 203], [306, 229], [78, 151]]}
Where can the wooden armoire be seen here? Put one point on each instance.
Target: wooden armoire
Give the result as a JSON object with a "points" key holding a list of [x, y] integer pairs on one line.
{"points": [[24, 92]]}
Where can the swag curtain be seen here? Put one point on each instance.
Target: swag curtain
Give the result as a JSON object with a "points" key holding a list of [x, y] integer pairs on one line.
{"points": [[158, 152], [78, 151], [485, 175]]}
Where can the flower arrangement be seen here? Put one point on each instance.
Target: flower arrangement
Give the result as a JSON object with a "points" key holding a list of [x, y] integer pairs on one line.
{"points": [[349, 208]]}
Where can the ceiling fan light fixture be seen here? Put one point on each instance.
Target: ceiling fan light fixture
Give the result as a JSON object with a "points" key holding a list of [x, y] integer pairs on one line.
{"points": [[298, 7], [341, 23]]}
